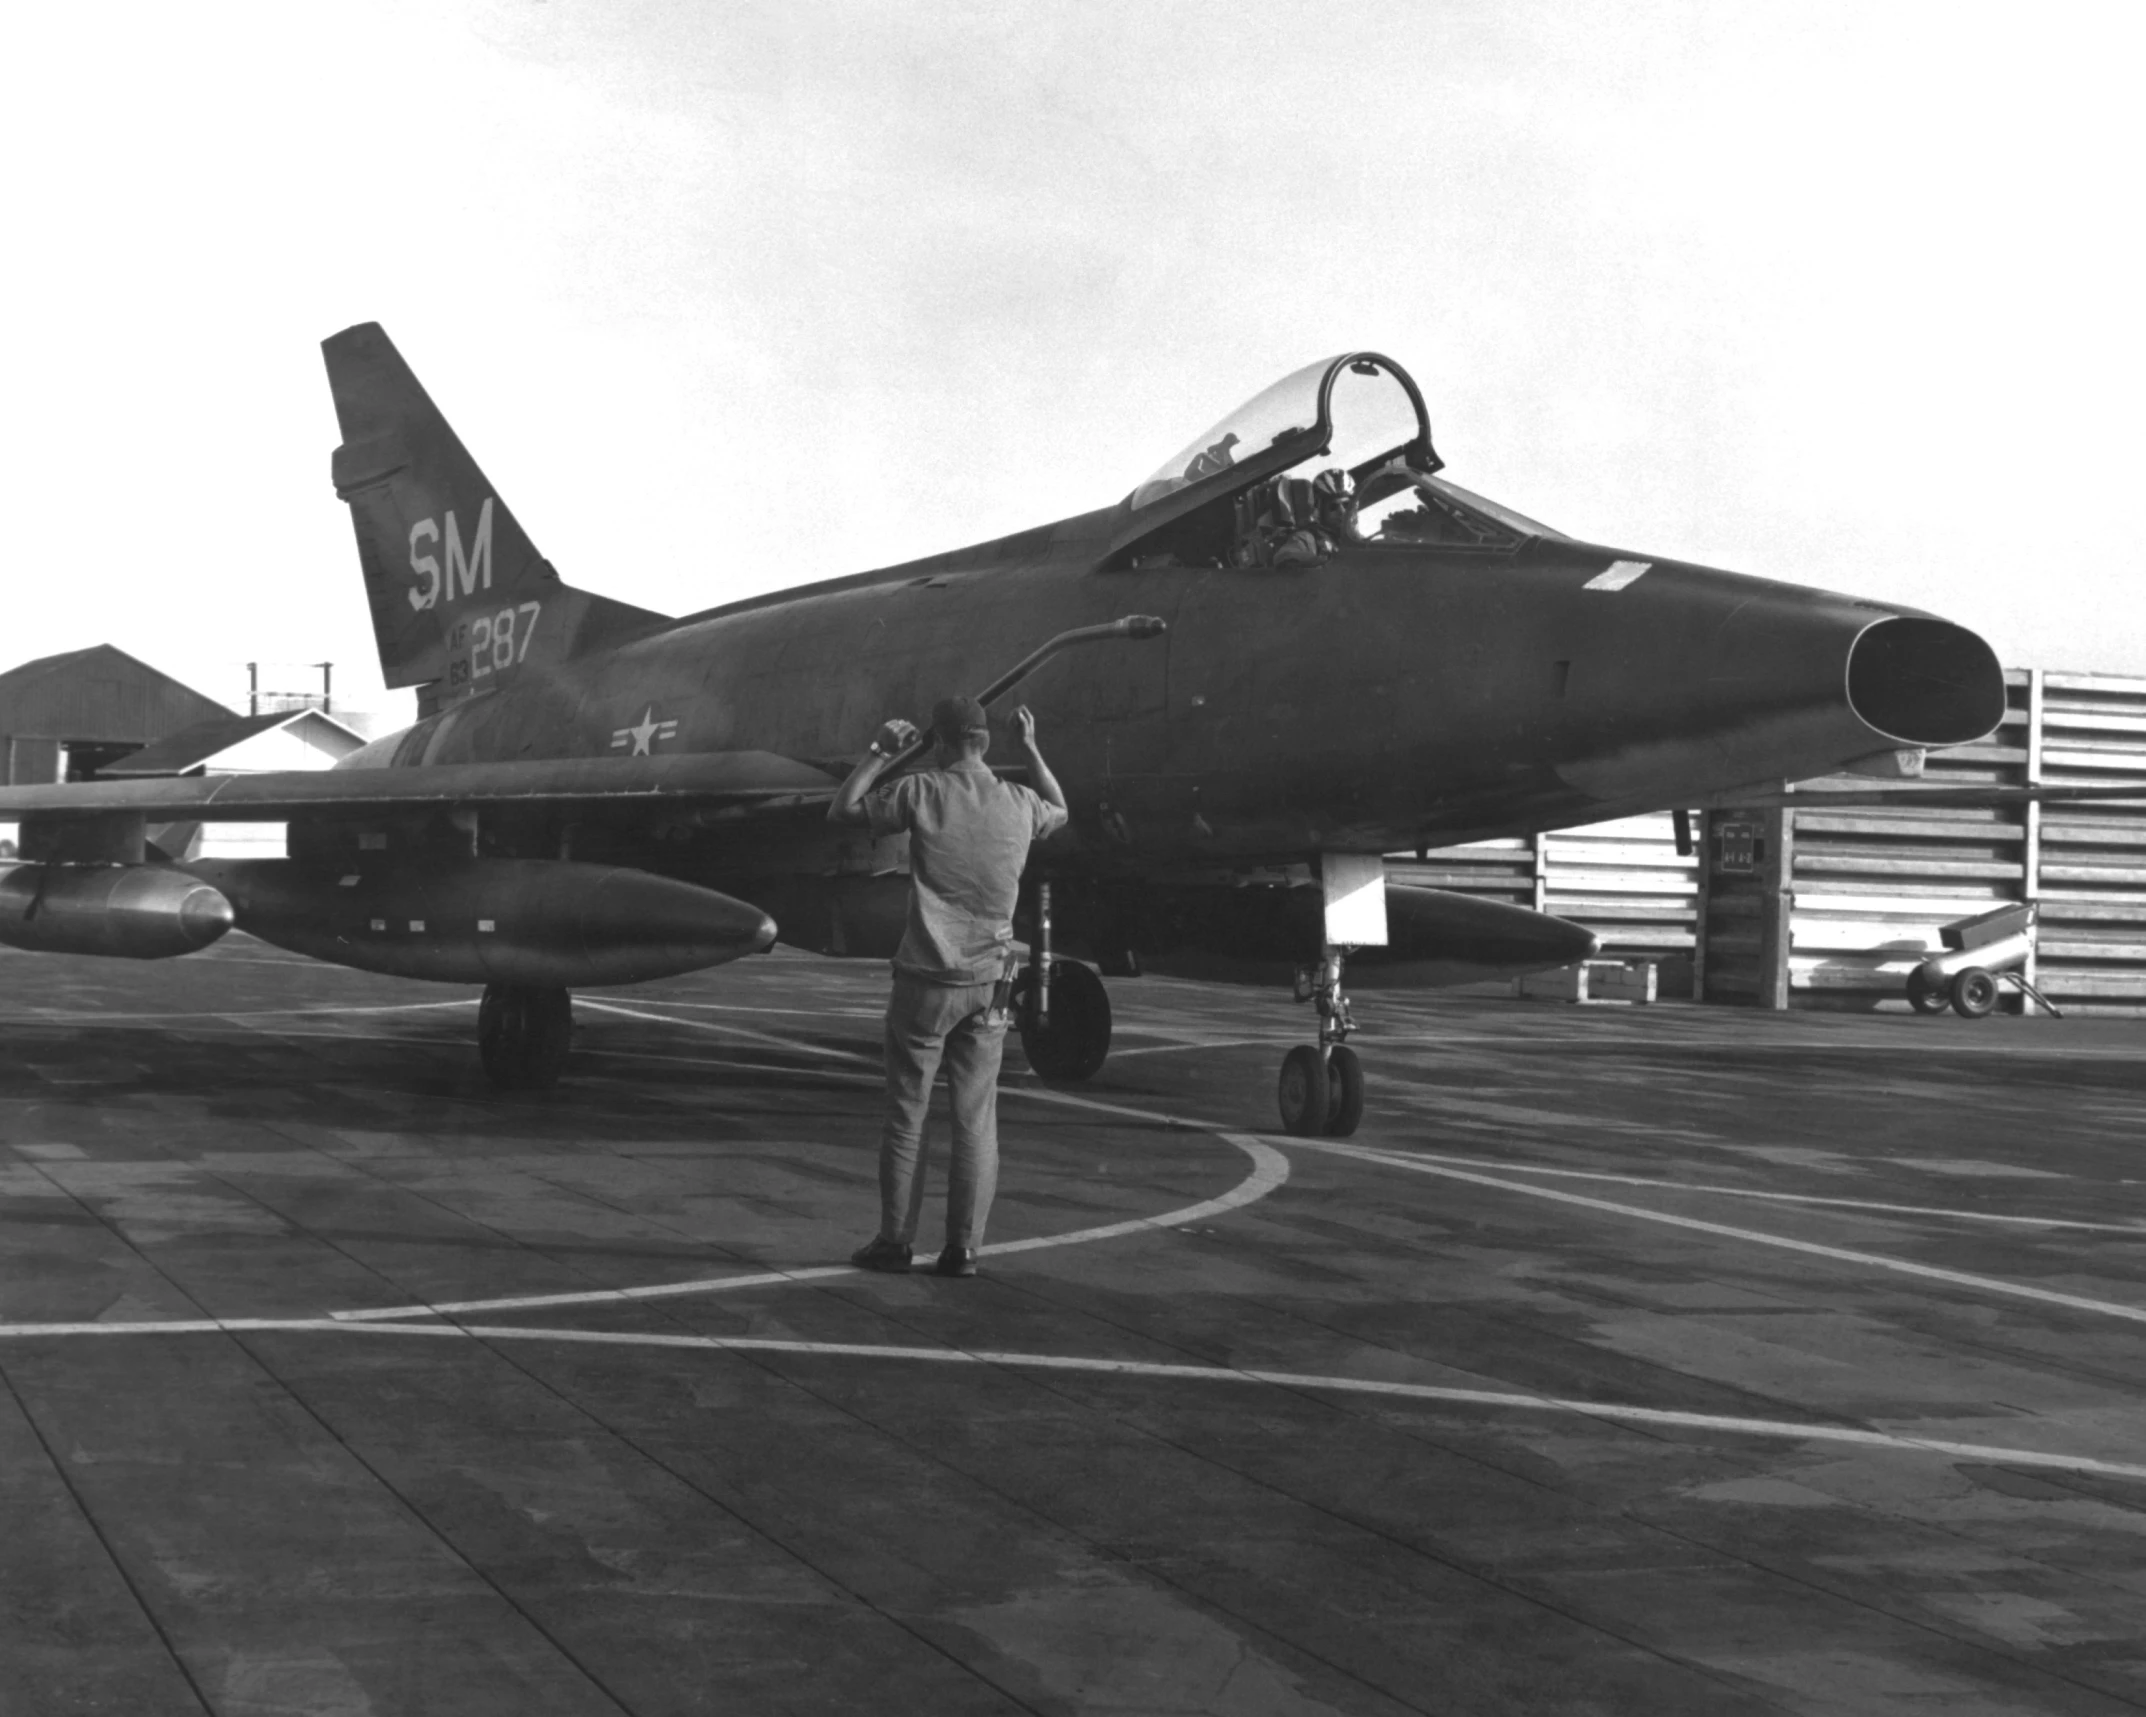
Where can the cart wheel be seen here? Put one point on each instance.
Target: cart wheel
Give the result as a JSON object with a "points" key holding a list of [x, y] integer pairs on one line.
{"points": [[1924, 996], [1974, 993]]}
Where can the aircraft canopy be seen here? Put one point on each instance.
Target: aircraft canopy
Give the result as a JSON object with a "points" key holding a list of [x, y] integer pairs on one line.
{"points": [[1354, 409]]}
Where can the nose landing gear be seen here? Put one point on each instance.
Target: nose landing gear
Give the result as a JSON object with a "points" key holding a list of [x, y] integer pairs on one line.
{"points": [[1321, 1090], [1062, 1008]]}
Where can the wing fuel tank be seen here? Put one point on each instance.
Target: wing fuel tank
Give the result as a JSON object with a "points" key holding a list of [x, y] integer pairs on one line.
{"points": [[127, 912], [1259, 935], [544, 922]]}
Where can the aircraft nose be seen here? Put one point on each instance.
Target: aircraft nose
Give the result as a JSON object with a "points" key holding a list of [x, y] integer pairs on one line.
{"points": [[1730, 682], [1918, 681]]}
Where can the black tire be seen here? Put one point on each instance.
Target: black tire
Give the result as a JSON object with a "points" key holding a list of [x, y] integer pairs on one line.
{"points": [[1077, 1041], [1344, 1091], [1974, 993], [1928, 998], [523, 1034], [1303, 1092]]}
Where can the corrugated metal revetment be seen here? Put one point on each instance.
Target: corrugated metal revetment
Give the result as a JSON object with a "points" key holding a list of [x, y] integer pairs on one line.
{"points": [[2087, 865], [1865, 890], [1832, 908]]}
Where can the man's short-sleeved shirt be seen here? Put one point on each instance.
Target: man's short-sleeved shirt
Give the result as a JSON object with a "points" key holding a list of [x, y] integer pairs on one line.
{"points": [[969, 834]]}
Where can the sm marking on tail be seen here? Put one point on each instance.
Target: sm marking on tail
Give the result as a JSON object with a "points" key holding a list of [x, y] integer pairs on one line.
{"points": [[468, 571]]}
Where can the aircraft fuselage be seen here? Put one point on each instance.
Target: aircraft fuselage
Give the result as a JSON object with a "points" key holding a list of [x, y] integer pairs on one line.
{"points": [[1387, 698]]}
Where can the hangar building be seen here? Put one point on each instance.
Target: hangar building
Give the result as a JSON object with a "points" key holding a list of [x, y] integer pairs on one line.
{"points": [[100, 711], [63, 717]]}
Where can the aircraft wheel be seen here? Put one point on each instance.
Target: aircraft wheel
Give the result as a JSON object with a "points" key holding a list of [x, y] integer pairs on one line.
{"points": [[523, 1032], [1344, 1091], [1925, 997], [1304, 1092], [1076, 1042], [1974, 993]]}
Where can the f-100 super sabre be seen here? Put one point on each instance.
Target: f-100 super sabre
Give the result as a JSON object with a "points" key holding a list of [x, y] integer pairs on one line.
{"points": [[1294, 648]]}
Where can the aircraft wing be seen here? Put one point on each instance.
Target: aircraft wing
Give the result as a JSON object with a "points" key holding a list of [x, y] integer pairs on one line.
{"points": [[762, 778]]}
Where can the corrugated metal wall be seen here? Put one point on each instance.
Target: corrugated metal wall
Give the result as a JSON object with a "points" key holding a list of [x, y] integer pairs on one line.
{"points": [[1833, 908], [1871, 887], [2089, 863]]}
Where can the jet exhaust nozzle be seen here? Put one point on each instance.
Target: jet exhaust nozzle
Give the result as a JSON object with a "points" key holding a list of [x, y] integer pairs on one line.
{"points": [[125, 912], [544, 922]]}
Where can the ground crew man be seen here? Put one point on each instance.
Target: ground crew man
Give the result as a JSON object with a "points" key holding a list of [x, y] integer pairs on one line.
{"points": [[969, 835]]}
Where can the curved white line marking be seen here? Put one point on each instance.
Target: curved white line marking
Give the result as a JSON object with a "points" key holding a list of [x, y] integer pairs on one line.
{"points": [[1838, 1254], [1669, 1418], [1270, 1169]]}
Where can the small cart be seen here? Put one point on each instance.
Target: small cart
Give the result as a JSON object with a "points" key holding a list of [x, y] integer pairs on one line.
{"points": [[1979, 953]]}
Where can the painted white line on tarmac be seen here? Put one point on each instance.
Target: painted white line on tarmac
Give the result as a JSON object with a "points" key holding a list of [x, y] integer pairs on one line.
{"points": [[1625, 1041], [213, 1014], [2135, 1229], [751, 1008], [1270, 1169], [1665, 1418], [1752, 1236], [726, 1029], [1184, 1048]]}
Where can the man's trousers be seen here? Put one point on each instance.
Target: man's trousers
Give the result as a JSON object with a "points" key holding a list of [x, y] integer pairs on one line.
{"points": [[925, 1024]]}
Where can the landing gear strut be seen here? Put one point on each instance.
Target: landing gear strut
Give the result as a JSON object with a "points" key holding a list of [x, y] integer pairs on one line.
{"points": [[1322, 1086], [1062, 1007], [522, 1035]]}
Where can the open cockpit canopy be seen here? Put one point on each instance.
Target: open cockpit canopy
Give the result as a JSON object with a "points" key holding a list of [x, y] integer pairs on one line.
{"points": [[1341, 448], [1371, 399]]}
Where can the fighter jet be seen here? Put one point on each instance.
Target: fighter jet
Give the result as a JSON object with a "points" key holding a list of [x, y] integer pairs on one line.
{"points": [[1294, 648]]}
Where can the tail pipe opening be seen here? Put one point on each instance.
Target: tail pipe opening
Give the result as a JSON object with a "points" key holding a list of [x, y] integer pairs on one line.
{"points": [[1925, 682]]}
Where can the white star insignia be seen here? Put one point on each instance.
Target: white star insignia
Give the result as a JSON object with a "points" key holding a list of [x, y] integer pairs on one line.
{"points": [[643, 734]]}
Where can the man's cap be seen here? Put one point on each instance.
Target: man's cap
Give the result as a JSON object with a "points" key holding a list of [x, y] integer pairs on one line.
{"points": [[952, 717]]}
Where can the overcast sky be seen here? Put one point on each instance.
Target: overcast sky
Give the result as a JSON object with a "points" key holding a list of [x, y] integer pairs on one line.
{"points": [[728, 296]]}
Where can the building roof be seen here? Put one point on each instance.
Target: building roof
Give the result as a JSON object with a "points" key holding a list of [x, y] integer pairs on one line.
{"points": [[96, 655], [98, 694], [197, 746]]}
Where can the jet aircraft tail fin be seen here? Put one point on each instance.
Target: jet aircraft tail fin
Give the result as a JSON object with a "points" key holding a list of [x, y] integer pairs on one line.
{"points": [[460, 596]]}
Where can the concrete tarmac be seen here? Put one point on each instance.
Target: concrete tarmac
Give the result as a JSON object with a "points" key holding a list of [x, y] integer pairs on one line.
{"points": [[1663, 1360]]}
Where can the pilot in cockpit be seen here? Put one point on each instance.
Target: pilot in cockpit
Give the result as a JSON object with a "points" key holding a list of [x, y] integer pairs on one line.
{"points": [[1311, 519], [1335, 505]]}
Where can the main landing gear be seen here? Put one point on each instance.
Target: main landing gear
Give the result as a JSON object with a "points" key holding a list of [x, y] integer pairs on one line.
{"points": [[1062, 1008], [1065, 1021], [523, 1031], [1321, 1090]]}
